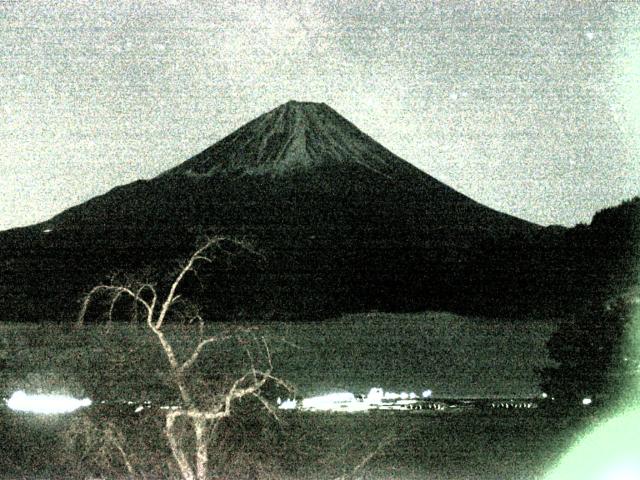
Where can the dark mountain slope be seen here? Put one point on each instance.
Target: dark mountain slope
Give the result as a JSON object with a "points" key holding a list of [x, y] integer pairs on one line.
{"points": [[343, 223]]}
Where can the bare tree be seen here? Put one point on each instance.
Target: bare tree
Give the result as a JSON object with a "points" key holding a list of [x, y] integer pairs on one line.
{"points": [[203, 416]]}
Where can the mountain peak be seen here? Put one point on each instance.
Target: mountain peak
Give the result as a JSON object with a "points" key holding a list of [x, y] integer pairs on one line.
{"points": [[295, 107], [302, 105], [292, 137]]}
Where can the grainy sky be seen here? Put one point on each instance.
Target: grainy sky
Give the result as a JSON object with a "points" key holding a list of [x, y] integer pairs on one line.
{"points": [[532, 108]]}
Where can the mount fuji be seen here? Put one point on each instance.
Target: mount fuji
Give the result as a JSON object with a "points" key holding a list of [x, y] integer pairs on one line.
{"points": [[341, 222]]}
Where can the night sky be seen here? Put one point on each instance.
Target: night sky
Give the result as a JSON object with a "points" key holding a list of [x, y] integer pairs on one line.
{"points": [[532, 109]]}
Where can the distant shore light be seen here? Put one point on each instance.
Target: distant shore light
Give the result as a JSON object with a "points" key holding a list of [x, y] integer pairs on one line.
{"points": [[288, 404], [327, 402], [45, 404], [586, 401], [376, 394]]}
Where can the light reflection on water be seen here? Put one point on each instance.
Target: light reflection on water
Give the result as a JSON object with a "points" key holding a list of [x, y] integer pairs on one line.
{"points": [[46, 404], [377, 398]]}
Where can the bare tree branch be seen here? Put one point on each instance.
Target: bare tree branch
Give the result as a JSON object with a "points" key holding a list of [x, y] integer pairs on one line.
{"points": [[203, 417], [366, 459], [115, 292], [196, 352], [197, 256], [114, 300], [114, 439], [178, 454], [268, 406]]}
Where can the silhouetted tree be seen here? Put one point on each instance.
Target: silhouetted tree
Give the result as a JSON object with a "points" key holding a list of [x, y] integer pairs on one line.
{"points": [[600, 288], [202, 410], [593, 359]]}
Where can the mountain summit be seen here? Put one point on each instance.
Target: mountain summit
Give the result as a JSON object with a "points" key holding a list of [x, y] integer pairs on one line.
{"points": [[343, 224], [293, 137]]}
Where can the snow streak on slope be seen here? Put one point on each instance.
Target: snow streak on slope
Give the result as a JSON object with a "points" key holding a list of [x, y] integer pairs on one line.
{"points": [[293, 137]]}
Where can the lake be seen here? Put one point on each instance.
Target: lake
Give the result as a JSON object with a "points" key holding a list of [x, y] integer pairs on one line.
{"points": [[451, 355]]}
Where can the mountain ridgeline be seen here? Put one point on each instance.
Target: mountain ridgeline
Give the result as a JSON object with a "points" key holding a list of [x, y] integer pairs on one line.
{"points": [[340, 222]]}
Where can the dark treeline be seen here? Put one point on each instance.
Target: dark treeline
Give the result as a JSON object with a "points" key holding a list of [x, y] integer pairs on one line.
{"points": [[309, 266], [586, 277], [592, 346], [336, 241]]}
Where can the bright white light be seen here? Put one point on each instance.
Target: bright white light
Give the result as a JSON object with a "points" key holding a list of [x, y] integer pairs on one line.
{"points": [[623, 472], [330, 401], [391, 395], [586, 401], [47, 230], [376, 395], [376, 399], [544, 395], [609, 451], [45, 404], [139, 409], [288, 404]]}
